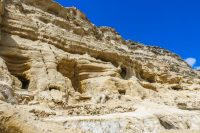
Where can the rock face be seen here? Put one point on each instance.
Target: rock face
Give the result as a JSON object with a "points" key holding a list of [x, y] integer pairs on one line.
{"points": [[60, 73]]}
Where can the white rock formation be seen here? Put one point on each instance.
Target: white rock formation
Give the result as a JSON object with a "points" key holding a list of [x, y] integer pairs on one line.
{"points": [[62, 74]]}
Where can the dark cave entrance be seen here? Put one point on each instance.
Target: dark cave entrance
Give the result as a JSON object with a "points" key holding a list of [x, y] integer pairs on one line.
{"points": [[18, 66], [25, 82], [126, 72], [122, 92], [123, 72]]}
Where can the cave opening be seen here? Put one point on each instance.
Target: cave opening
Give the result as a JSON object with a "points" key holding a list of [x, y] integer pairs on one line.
{"points": [[25, 82], [68, 68], [123, 72], [150, 80], [122, 92]]}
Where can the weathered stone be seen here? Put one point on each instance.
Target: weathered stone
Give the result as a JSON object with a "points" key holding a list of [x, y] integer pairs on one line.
{"points": [[70, 76]]}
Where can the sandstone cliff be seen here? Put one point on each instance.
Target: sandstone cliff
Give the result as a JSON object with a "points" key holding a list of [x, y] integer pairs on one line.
{"points": [[60, 73]]}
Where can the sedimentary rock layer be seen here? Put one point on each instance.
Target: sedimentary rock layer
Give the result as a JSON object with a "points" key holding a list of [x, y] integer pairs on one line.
{"points": [[66, 71]]}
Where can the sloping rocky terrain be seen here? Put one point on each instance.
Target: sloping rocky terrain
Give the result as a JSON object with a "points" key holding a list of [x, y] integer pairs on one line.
{"points": [[60, 73]]}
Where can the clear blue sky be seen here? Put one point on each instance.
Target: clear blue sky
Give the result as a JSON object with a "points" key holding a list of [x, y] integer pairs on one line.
{"points": [[170, 24]]}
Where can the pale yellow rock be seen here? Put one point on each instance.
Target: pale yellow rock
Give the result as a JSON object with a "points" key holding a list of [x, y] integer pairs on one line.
{"points": [[56, 96], [70, 76], [2, 98]]}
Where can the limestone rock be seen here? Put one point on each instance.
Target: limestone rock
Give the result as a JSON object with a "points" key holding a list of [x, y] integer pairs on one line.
{"points": [[67, 75]]}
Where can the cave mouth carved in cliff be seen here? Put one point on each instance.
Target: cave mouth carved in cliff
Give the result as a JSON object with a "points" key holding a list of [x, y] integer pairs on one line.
{"points": [[18, 66], [123, 72], [25, 81], [126, 72], [68, 69]]}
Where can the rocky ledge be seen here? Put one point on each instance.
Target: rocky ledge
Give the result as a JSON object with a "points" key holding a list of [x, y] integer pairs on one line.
{"points": [[60, 73]]}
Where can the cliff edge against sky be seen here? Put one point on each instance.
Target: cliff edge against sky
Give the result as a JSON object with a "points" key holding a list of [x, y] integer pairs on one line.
{"points": [[60, 73]]}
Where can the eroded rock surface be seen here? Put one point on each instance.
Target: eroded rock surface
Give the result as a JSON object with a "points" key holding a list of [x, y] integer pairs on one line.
{"points": [[61, 73]]}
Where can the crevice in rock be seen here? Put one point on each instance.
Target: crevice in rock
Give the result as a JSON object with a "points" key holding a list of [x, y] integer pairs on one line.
{"points": [[25, 81], [167, 124], [177, 87], [122, 92], [105, 59], [123, 72], [126, 72], [43, 60], [54, 87]]}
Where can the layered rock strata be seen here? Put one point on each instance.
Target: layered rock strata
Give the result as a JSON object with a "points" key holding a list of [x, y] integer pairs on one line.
{"points": [[63, 73]]}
